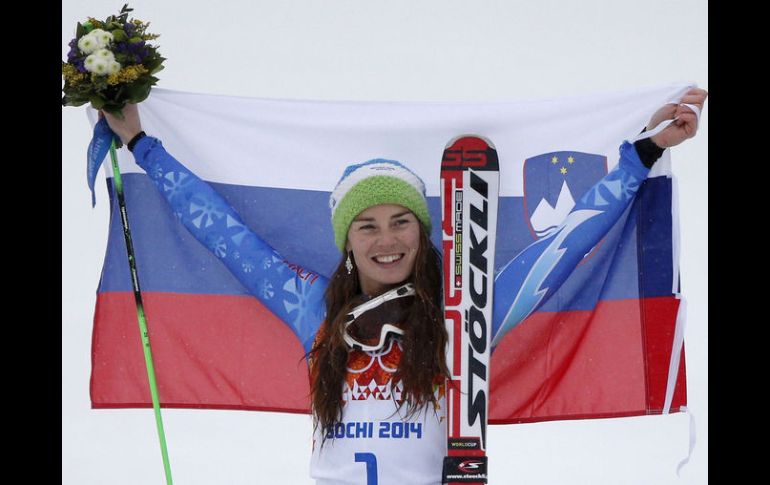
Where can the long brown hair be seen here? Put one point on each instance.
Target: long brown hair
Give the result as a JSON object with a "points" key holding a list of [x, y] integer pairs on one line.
{"points": [[424, 341]]}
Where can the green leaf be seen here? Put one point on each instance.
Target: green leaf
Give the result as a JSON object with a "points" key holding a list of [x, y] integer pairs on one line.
{"points": [[72, 102], [119, 35], [136, 90], [151, 64], [130, 90], [115, 108], [135, 40], [97, 102], [80, 31]]}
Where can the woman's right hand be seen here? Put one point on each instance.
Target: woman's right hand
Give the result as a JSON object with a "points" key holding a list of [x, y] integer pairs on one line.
{"points": [[128, 127]]}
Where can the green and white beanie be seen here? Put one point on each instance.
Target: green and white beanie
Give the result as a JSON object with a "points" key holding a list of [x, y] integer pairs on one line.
{"points": [[371, 183]]}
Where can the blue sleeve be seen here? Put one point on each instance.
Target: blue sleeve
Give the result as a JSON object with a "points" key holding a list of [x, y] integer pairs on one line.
{"points": [[293, 294], [530, 278]]}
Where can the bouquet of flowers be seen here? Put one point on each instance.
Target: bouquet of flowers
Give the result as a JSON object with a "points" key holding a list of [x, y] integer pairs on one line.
{"points": [[110, 63]]}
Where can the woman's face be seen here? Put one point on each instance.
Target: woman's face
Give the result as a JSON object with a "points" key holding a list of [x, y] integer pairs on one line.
{"points": [[384, 240]]}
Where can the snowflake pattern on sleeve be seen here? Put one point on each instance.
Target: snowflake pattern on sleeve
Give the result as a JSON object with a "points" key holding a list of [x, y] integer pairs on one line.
{"points": [[292, 293]]}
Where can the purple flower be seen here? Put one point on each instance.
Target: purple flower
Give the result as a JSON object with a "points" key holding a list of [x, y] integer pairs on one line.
{"points": [[142, 52], [80, 65], [73, 53], [135, 52]]}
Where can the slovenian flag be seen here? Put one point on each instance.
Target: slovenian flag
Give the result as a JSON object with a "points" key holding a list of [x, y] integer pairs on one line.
{"points": [[608, 343]]}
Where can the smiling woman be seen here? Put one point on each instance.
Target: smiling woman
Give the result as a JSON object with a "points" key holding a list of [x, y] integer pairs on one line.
{"points": [[381, 223]]}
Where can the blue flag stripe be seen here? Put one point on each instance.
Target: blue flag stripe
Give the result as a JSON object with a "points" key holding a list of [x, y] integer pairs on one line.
{"points": [[296, 222]]}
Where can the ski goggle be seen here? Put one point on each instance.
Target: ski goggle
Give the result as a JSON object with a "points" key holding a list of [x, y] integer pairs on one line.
{"points": [[370, 323]]}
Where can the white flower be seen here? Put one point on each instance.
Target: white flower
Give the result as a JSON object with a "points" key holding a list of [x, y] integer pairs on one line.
{"points": [[101, 68], [87, 44], [94, 40], [105, 55], [103, 38], [102, 62], [97, 64]]}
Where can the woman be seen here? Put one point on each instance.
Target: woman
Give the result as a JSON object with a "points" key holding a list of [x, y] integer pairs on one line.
{"points": [[374, 331]]}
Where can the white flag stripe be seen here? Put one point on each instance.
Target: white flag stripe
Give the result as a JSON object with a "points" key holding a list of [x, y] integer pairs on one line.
{"points": [[306, 144]]}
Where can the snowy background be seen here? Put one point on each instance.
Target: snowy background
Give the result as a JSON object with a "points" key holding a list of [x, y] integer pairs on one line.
{"points": [[394, 50]]}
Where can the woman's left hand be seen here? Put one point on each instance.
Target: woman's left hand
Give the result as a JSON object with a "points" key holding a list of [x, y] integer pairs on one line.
{"points": [[686, 124]]}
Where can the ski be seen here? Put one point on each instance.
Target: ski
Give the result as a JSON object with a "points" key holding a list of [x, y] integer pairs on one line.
{"points": [[469, 191]]}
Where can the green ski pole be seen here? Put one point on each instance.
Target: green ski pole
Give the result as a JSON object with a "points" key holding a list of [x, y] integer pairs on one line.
{"points": [[140, 312]]}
